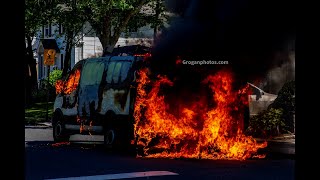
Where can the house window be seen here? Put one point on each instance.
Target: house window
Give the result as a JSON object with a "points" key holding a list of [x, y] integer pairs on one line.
{"points": [[61, 60], [47, 30], [60, 29], [50, 30]]}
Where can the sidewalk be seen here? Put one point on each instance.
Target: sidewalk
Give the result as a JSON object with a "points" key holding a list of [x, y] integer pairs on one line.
{"points": [[281, 145], [41, 124], [48, 124]]}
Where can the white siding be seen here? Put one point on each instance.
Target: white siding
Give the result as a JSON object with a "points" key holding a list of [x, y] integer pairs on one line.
{"points": [[91, 46]]}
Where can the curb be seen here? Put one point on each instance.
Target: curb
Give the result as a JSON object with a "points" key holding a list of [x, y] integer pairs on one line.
{"points": [[43, 121], [39, 125], [279, 146], [48, 124]]}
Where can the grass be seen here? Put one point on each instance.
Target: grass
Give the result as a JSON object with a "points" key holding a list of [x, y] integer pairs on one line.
{"points": [[37, 113]]}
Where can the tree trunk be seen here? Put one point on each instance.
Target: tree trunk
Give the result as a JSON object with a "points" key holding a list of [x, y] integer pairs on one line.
{"points": [[105, 36], [156, 27], [67, 61], [108, 40], [28, 87], [30, 73]]}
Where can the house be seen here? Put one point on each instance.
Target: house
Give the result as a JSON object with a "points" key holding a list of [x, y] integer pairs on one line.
{"points": [[90, 45], [51, 36]]}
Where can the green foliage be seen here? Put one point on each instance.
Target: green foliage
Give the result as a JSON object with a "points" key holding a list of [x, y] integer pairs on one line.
{"points": [[54, 76], [278, 118], [46, 91], [286, 101], [267, 123], [110, 18], [42, 95], [122, 4], [286, 97], [37, 112], [37, 13]]}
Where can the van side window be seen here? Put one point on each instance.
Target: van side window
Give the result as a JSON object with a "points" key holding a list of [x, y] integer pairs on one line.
{"points": [[124, 70], [110, 72], [92, 73], [116, 72]]}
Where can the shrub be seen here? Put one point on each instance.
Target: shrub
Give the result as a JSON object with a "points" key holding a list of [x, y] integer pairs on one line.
{"points": [[45, 87], [279, 117], [54, 76], [267, 123], [286, 101]]}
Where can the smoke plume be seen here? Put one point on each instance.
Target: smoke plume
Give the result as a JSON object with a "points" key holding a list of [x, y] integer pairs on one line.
{"points": [[246, 33]]}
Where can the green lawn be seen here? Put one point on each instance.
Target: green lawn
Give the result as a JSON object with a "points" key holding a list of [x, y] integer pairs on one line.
{"points": [[37, 113]]}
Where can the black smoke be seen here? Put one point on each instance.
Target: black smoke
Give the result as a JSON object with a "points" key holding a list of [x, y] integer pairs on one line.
{"points": [[246, 33]]}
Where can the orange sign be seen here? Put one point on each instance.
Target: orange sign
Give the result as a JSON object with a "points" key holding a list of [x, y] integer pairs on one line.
{"points": [[49, 56]]}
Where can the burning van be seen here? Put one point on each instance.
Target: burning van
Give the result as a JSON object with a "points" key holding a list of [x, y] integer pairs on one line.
{"points": [[121, 98], [97, 97]]}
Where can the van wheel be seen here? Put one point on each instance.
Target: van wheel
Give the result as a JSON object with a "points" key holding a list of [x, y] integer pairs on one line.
{"points": [[59, 131], [116, 139], [109, 137]]}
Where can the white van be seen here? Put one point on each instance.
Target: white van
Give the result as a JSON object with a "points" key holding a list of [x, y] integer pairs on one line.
{"points": [[97, 97]]}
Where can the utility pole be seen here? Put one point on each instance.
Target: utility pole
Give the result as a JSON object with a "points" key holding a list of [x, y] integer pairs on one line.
{"points": [[47, 104], [49, 59]]}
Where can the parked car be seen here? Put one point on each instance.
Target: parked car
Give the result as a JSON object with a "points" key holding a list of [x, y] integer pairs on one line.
{"points": [[97, 97], [259, 100]]}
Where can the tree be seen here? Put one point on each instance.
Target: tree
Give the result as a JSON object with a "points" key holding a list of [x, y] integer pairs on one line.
{"points": [[37, 13], [159, 17], [286, 101], [110, 18], [70, 16]]}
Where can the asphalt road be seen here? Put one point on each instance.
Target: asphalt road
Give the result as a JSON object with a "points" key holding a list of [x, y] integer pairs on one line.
{"points": [[84, 158]]}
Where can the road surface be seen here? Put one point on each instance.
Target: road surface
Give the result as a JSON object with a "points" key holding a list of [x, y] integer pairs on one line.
{"points": [[84, 158]]}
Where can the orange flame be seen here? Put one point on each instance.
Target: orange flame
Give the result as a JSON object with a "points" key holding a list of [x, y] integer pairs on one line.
{"points": [[90, 126], [60, 144], [213, 133], [68, 86]]}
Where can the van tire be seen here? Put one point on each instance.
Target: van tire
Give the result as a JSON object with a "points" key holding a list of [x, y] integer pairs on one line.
{"points": [[115, 134], [115, 139], [109, 138], [59, 132]]}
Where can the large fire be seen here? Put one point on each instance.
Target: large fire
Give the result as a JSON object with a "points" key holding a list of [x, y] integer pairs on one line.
{"points": [[214, 132]]}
